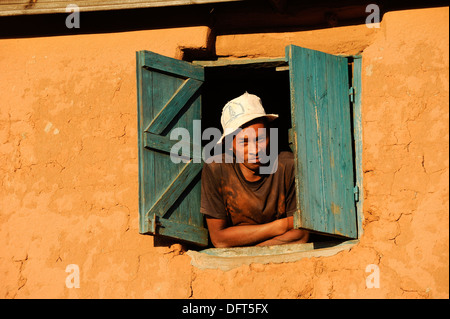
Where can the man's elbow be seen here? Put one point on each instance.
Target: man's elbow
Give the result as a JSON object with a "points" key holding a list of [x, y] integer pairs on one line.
{"points": [[217, 243], [300, 235], [220, 240]]}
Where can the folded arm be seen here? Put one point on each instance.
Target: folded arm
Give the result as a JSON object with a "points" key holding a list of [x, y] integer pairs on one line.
{"points": [[293, 236], [279, 231]]}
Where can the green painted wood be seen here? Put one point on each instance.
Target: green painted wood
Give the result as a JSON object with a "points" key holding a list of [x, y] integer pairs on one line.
{"points": [[163, 143], [146, 167], [140, 142], [179, 68], [174, 191], [171, 190], [357, 129], [321, 119], [158, 142], [174, 106], [173, 229]]}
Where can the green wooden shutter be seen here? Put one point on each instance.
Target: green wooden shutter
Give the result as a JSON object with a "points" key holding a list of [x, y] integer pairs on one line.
{"points": [[169, 194], [322, 132]]}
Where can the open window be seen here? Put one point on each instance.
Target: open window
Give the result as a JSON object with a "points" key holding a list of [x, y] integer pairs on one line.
{"points": [[317, 97]]}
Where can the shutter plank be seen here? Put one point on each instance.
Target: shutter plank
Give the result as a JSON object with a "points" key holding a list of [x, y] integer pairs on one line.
{"points": [[175, 189], [169, 228], [321, 119], [179, 68], [169, 192], [157, 142], [357, 127], [186, 91], [146, 162]]}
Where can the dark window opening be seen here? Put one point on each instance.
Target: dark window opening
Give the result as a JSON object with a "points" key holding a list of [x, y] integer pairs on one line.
{"points": [[223, 84], [270, 83]]}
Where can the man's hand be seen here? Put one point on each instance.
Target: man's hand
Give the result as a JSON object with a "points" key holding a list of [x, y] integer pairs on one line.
{"points": [[285, 224]]}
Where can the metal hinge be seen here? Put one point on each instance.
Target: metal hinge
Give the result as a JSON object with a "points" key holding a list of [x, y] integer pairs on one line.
{"points": [[356, 193], [351, 92]]}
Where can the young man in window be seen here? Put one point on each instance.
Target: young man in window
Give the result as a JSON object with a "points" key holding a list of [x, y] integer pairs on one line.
{"points": [[246, 203]]}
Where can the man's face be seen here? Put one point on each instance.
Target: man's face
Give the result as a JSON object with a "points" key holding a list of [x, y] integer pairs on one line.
{"points": [[249, 143]]}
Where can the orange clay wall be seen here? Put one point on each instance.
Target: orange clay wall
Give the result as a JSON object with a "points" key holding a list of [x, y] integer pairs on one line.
{"points": [[69, 167]]}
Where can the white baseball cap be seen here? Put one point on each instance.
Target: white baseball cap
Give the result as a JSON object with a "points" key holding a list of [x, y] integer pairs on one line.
{"points": [[240, 111]]}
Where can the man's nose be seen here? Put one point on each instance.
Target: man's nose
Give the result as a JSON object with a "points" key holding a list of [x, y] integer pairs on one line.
{"points": [[255, 148]]}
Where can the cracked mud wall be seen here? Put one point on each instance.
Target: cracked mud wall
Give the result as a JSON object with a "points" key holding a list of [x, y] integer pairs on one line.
{"points": [[406, 147], [405, 163], [69, 173]]}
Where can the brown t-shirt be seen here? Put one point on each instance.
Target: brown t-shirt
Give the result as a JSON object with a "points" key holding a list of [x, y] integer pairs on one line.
{"points": [[226, 194]]}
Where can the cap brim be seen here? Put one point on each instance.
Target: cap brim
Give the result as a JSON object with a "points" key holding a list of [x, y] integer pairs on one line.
{"points": [[246, 119]]}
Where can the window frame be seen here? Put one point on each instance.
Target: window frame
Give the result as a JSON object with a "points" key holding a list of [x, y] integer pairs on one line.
{"points": [[282, 64]]}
